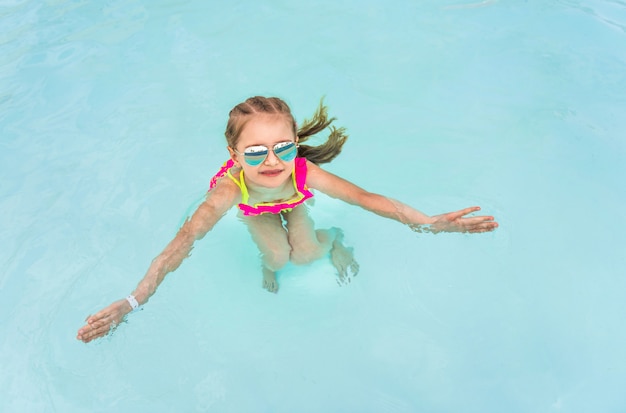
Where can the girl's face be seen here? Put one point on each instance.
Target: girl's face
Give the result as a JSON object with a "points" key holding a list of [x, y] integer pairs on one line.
{"points": [[268, 131]]}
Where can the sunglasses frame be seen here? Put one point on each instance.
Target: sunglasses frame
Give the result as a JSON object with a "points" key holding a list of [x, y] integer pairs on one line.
{"points": [[268, 149]]}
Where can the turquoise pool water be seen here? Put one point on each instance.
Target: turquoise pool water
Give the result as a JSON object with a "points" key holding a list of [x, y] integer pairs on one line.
{"points": [[111, 125]]}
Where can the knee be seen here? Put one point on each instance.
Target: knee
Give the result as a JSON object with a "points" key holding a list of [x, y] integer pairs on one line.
{"points": [[276, 258], [305, 256]]}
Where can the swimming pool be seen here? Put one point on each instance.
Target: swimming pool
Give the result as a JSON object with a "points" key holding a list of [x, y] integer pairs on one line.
{"points": [[111, 123]]}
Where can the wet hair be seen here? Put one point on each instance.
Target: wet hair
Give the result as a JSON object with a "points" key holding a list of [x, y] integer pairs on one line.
{"points": [[323, 153]]}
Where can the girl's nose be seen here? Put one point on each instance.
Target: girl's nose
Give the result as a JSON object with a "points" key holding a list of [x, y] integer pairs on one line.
{"points": [[271, 158]]}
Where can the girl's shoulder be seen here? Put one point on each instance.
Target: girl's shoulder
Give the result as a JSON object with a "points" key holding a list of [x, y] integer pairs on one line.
{"points": [[228, 170], [234, 173], [224, 192], [313, 172]]}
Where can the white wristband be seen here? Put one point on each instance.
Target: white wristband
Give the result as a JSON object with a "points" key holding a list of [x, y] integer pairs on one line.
{"points": [[133, 302]]}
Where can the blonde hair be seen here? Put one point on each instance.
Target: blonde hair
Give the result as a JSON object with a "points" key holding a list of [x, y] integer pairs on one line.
{"points": [[323, 153]]}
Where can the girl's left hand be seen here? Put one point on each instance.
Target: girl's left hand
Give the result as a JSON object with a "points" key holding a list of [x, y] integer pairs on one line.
{"points": [[457, 222]]}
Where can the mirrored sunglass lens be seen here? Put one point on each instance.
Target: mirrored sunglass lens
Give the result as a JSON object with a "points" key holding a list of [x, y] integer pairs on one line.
{"points": [[256, 150], [254, 155], [254, 160], [286, 151]]}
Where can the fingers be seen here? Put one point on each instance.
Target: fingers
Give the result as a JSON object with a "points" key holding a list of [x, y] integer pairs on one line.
{"points": [[99, 324], [463, 212], [483, 227], [98, 318], [460, 224], [92, 331], [476, 220]]}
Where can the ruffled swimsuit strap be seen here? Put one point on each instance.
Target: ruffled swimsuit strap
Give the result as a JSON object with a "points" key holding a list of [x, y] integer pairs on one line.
{"points": [[300, 171], [225, 170]]}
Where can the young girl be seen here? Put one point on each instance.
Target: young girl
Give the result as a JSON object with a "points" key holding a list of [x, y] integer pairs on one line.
{"points": [[269, 176]]}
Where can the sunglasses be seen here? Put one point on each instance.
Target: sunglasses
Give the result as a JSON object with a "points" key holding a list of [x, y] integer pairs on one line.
{"points": [[255, 155]]}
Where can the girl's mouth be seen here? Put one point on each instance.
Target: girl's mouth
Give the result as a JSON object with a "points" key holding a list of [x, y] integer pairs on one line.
{"points": [[272, 172]]}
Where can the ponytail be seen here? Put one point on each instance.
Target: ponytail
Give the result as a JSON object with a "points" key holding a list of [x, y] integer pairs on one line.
{"points": [[327, 151]]}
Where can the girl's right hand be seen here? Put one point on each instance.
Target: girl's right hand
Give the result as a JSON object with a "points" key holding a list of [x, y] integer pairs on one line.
{"points": [[104, 321]]}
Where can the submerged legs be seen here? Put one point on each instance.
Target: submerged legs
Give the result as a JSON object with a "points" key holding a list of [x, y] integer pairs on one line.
{"points": [[298, 241], [309, 244]]}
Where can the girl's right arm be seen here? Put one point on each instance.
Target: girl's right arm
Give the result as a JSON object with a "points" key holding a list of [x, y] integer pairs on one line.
{"points": [[218, 201]]}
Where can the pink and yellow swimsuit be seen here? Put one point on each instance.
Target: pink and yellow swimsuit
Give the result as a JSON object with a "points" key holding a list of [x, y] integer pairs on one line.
{"points": [[299, 183]]}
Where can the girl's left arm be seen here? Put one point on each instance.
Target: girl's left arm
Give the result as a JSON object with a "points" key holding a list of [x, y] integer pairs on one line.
{"points": [[336, 187]]}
